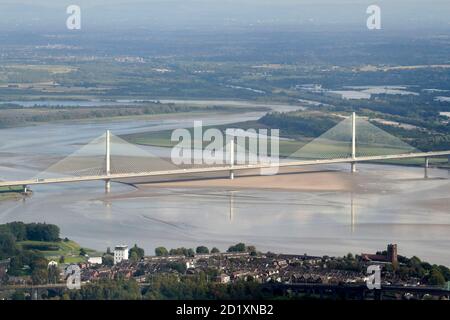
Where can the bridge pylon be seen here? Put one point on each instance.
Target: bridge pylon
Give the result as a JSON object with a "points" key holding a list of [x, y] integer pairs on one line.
{"points": [[108, 161], [353, 164], [232, 157]]}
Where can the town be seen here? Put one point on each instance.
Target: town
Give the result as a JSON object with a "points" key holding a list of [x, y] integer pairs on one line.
{"points": [[299, 276]]}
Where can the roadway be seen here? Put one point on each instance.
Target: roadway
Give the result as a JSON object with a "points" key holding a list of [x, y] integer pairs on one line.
{"points": [[119, 176]]}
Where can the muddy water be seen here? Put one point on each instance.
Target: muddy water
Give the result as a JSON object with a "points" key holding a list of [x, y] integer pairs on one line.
{"points": [[389, 204]]}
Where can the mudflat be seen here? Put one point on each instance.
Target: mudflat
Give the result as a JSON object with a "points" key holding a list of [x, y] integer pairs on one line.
{"points": [[295, 179]]}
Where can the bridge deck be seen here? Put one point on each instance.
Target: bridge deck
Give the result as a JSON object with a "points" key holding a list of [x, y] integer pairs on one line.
{"points": [[221, 169]]}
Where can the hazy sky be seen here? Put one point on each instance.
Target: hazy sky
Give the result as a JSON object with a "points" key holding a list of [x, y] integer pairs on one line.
{"points": [[42, 14]]}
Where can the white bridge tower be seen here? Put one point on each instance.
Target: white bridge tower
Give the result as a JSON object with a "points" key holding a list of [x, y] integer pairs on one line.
{"points": [[353, 141], [108, 161]]}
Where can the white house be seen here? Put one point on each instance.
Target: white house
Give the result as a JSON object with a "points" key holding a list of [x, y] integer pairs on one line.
{"points": [[52, 264], [95, 260], [224, 278], [120, 253], [190, 264]]}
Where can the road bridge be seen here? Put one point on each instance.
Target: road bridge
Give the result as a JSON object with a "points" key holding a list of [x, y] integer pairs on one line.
{"points": [[107, 176]]}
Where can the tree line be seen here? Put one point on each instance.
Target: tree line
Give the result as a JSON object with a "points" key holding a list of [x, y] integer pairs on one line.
{"points": [[189, 252]]}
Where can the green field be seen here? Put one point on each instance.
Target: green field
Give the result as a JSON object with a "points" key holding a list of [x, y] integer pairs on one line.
{"points": [[10, 193], [69, 249], [163, 138], [15, 189]]}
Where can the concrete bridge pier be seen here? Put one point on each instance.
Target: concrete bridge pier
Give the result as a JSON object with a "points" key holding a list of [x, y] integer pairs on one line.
{"points": [[107, 186], [353, 168], [25, 188], [426, 165]]}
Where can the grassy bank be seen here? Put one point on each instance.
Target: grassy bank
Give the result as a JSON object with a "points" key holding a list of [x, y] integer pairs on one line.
{"points": [[11, 193], [15, 189], [53, 250]]}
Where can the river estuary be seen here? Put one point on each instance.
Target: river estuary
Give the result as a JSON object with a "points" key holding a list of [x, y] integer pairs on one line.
{"points": [[402, 208]]}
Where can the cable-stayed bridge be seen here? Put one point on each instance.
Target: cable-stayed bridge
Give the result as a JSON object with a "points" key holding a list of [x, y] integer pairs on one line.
{"points": [[110, 158]]}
